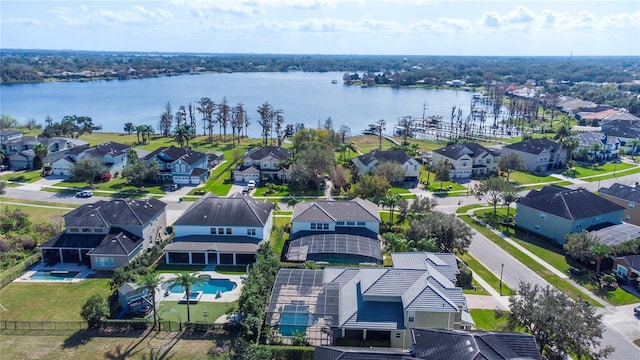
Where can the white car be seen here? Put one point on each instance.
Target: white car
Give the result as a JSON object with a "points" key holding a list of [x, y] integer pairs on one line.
{"points": [[251, 184], [84, 194]]}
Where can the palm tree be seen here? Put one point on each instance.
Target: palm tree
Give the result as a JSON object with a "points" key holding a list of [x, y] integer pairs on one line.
{"points": [[148, 129], [395, 242], [150, 282], [599, 252], [140, 130], [187, 280], [509, 197], [570, 143], [634, 143], [391, 200], [182, 135], [40, 151], [596, 148]]}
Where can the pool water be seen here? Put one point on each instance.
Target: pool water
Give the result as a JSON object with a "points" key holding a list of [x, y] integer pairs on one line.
{"points": [[54, 275], [291, 323], [210, 286]]}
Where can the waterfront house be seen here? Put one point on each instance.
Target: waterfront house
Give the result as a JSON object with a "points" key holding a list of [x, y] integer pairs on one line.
{"points": [[216, 230], [468, 160], [610, 145], [21, 155], [180, 165], [554, 211], [265, 162], [367, 162], [344, 232], [112, 154], [538, 154], [107, 234], [370, 303]]}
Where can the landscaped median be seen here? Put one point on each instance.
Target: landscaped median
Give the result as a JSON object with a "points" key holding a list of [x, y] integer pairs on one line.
{"points": [[536, 267]]}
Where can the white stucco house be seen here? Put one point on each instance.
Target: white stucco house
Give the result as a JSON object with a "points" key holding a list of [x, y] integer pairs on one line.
{"points": [[468, 160], [366, 163]]}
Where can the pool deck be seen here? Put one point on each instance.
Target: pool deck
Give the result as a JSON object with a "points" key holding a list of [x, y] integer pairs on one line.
{"points": [[83, 271], [228, 296]]}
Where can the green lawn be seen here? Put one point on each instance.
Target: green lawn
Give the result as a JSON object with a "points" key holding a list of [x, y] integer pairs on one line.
{"points": [[584, 171], [465, 208], [540, 186], [405, 193], [487, 320], [23, 176], [202, 311], [49, 301], [611, 176], [36, 212], [118, 185], [523, 178], [484, 273]]}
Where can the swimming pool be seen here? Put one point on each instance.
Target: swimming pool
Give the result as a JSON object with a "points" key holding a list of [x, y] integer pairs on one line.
{"points": [[209, 286], [53, 275]]}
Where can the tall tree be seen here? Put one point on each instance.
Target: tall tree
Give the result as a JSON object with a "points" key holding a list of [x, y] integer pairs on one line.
{"points": [[181, 116], [166, 120], [191, 113], [380, 128], [266, 117], [151, 282], [449, 232], [578, 245], [493, 189], [370, 187], [40, 151], [442, 170], [570, 144], [140, 171], [635, 144], [187, 280], [598, 252], [207, 108], [140, 130], [509, 197], [278, 122], [88, 169], [595, 149], [129, 127], [559, 324], [511, 162], [391, 200], [392, 171], [237, 121], [224, 116]]}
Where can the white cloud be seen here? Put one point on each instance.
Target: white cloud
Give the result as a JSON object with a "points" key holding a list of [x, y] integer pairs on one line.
{"points": [[20, 21], [519, 16]]}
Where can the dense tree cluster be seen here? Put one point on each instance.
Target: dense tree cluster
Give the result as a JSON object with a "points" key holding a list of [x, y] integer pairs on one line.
{"points": [[70, 126]]}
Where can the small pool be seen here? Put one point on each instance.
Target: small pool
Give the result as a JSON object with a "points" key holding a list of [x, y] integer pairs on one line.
{"points": [[53, 275], [209, 286]]}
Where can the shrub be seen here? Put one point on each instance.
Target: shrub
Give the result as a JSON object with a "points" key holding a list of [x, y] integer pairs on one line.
{"points": [[282, 352], [28, 243]]}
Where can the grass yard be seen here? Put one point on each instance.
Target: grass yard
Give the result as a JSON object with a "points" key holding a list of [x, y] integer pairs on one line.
{"points": [[278, 243], [368, 143], [405, 193], [118, 185], [484, 273], [49, 301], [616, 297], [84, 345], [486, 320], [584, 171], [611, 176], [41, 213], [465, 208], [203, 311], [523, 178], [540, 186], [23, 176]]}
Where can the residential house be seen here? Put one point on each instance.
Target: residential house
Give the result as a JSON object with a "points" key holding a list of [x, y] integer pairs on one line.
{"points": [[344, 232], [8, 134], [264, 162], [626, 196], [112, 154], [554, 211], [107, 234], [357, 353], [366, 163], [468, 160], [215, 158], [610, 145], [20, 151], [472, 345], [216, 230], [538, 154], [594, 118], [622, 119], [624, 135], [628, 267], [572, 106], [370, 303], [180, 165]]}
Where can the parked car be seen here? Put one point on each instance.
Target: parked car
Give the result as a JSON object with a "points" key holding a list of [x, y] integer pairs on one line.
{"points": [[245, 190], [84, 194], [251, 184], [576, 271], [636, 310]]}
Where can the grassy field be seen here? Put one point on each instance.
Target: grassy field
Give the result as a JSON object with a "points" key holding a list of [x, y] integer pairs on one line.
{"points": [[611, 176], [484, 273], [202, 311], [584, 171], [22, 176], [36, 212], [522, 178], [487, 320], [49, 301]]}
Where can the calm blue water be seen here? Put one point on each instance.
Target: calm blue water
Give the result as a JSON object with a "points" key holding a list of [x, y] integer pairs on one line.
{"points": [[294, 323], [211, 286], [304, 97], [47, 275]]}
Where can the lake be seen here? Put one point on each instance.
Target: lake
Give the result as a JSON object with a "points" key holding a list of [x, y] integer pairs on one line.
{"points": [[304, 97]]}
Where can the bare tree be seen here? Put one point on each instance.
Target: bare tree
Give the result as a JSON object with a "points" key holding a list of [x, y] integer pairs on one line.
{"points": [[224, 116]]}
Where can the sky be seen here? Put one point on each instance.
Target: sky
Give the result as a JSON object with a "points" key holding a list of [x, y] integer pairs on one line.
{"points": [[362, 27]]}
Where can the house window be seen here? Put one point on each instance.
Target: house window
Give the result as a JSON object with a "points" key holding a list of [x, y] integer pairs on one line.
{"points": [[220, 231], [86, 230], [313, 226], [412, 316], [621, 271], [537, 227], [98, 230], [543, 216], [74, 230], [398, 335], [339, 222], [183, 168], [325, 226], [265, 165], [631, 206], [464, 163], [628, 217], [415, 167], [228, 231], [351, 223], [578, 225], [361, 223], [213, 231], [177, 168], [251, 231], [104, 261], [488, 161]]}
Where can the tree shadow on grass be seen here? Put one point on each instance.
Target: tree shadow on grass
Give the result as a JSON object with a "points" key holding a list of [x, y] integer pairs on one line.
{"points": [[80, 337]]}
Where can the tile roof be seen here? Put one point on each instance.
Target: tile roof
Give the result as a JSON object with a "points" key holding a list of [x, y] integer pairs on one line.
{"points": [[264, 151], [116, 212], [624, 192], [352, 210], [395, 156], [456, 151], [472, 345], [534, 146], [568, 203], [237, 210], [444, 263]]}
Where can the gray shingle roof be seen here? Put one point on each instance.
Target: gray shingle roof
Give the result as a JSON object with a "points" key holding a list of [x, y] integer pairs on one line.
{"points": [[633, 261], [264, 151], [240, 244], [116, 212], [395, 156], [101, 150], [237, 210], [172, 154], [116, 242], [352, 210], [534, 146], [472, 345], [456, 151], [568, 203], [624, 192], [358, 353]]}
